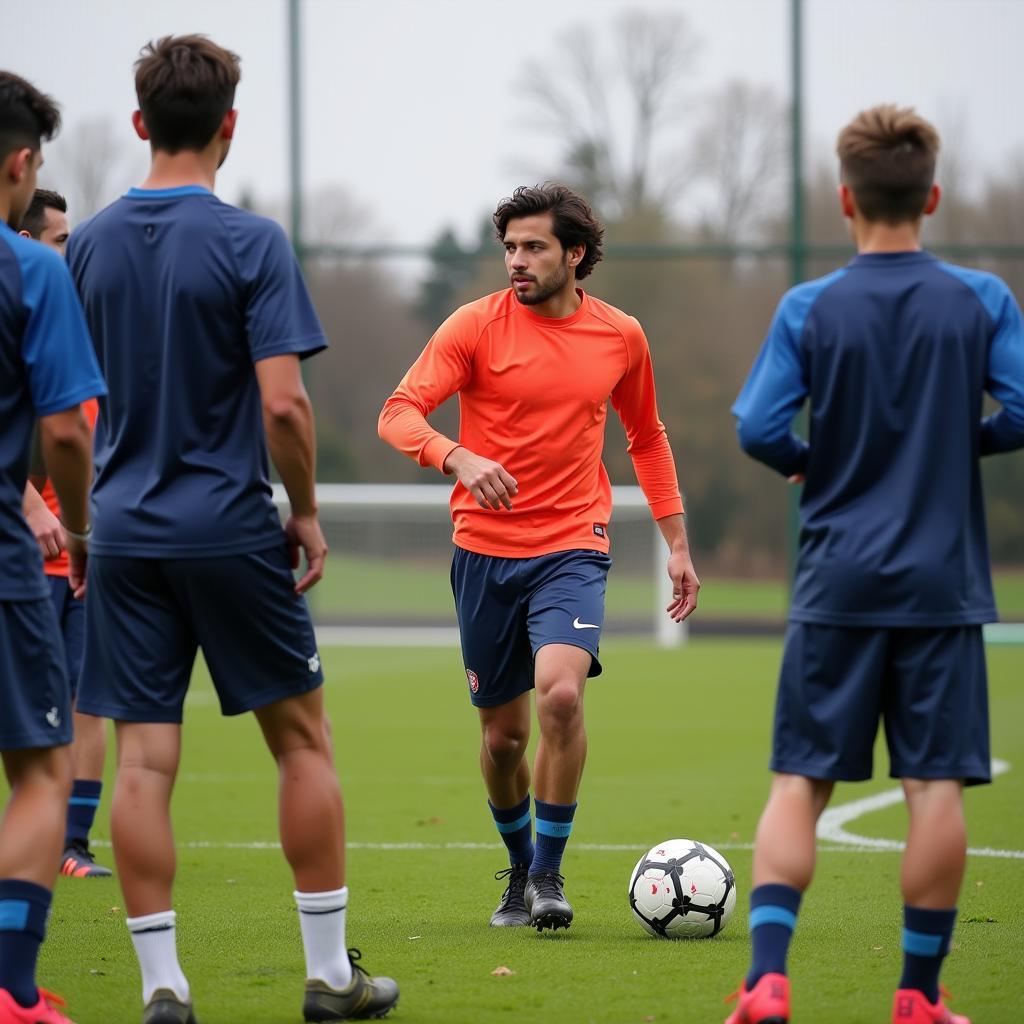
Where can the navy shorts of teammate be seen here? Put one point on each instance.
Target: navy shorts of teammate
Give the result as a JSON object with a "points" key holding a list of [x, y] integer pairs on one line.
{"points": [[70, 613], [508, 608], [928, 687], [34, 691], [146, 618]]}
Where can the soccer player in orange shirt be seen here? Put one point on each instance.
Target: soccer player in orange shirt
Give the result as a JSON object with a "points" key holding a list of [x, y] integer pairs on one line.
{"points": [[534, 367], [46, 220]]}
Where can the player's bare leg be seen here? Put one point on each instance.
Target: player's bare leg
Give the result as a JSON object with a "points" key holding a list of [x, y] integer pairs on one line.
{"points": [[31, 834], [505, 732], [936, 854], [32, 827], [311, 815], [784, 854], [560, 678], [561, 675], [140, 824], [784, 848], [89, 749], [312, 826], [931, 875]]}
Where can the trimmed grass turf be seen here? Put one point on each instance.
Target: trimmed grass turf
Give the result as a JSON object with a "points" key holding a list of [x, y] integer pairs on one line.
{"points": [[678, 748]]}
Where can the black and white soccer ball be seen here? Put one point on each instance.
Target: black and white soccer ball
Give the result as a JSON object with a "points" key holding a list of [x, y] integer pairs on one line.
{"points": [[682, 889]]}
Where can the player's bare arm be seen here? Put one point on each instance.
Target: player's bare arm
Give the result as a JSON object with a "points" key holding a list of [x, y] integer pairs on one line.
{"points": [[67, 451], [489, 482], [45, 526], [291, 438], [685, 584]]}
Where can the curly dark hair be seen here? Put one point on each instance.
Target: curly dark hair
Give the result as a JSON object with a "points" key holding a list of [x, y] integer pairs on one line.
{"points": [[27, 116], [185, 86], [573, 221]]}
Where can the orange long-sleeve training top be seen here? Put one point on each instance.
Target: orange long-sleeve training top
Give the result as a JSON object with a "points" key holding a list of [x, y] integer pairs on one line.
{"points": [[533, 396], [61, 566]]}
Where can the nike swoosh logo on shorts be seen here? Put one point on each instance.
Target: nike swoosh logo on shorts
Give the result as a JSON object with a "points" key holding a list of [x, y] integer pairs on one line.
{"points": [[576, 624]]}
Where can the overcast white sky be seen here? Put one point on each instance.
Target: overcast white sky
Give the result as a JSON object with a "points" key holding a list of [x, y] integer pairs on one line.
{"points": [[414, 106]]}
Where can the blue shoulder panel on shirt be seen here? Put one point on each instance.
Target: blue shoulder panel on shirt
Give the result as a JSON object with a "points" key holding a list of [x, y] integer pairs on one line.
{"points": [[776, 386], [1004, 430], [797, 303], [991, 291], [56, 345]]}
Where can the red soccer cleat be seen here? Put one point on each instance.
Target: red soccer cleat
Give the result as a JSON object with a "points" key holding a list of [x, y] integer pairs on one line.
{"points": [[911, 1006], [44, 1012], [766, 1003]]}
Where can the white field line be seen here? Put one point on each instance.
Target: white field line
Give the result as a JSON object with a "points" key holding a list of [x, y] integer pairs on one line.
{"points": [[831, 824], [832, 837], [632, 848]]}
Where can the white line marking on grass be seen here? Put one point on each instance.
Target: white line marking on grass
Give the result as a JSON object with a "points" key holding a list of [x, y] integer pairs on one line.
{"points": [[830, 825], [832, 836]]}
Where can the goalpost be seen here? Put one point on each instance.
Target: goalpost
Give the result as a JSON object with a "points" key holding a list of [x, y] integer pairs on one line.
{"points": [[390, 549]]}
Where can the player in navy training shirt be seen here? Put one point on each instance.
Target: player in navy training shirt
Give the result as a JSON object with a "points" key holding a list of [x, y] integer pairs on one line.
{"points": [[47, 369], [200, 317], [893, 354]]}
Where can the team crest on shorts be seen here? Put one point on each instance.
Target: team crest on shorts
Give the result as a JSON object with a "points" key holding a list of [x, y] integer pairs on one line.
{"points": [[474, 681], [313, 663]]}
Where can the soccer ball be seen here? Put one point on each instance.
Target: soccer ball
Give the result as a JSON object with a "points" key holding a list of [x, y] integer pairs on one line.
{"points": [[682, 889]]}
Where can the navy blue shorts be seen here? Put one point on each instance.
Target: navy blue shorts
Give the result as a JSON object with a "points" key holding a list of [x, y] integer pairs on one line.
{"points": [[508, 608], [70, 614], [35, 703], [146, 618], [928, 686]]}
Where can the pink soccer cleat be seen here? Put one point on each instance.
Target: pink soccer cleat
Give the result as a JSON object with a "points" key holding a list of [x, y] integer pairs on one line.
{"points": [[911, 1006], [44, 1012], [766, 1003]]}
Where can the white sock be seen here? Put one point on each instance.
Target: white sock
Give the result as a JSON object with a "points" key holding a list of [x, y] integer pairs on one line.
{"points": [[322, 920], [154, 939]]}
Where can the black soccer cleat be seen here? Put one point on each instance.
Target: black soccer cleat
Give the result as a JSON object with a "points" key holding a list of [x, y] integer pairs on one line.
{"points": [[77, 861], [164, 1007], [545, 899], [511, 911], [366, 997]]}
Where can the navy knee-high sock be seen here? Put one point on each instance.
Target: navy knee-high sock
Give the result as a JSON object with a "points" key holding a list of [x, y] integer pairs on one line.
{"points": [[516, 830], [773, 910], [554, 824], [24, 908], [82, 807], [926, 938]]}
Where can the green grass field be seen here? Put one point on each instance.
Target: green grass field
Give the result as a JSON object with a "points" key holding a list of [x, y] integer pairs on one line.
{"points": [[678, 749], [357, 587]]}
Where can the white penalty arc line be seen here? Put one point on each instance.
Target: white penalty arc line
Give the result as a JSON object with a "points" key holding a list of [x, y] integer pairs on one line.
{"points": [[831, 824]]}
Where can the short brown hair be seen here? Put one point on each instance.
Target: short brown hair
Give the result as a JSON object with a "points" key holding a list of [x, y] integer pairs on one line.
{"points": [[573, 221], [34, 219], [185, 86], [27, 116], [887, 159]]}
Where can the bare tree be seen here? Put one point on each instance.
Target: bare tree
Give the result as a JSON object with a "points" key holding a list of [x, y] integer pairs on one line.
{"points": [[331, 215], [739, 154], [613, 103], [93, 163]]}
